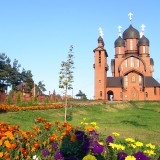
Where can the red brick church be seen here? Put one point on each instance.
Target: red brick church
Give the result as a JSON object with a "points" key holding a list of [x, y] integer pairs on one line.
{"points": [[131, 68]]}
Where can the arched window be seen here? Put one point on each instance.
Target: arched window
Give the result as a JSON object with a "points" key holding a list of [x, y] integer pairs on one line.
{"points": [[119, 50], [140, 80], [126, 81], [100, 93], [144, 49], [132, 61], [131, 44]]}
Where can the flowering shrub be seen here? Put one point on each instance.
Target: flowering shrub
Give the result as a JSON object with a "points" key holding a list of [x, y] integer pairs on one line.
{"points": [[62, 141]]}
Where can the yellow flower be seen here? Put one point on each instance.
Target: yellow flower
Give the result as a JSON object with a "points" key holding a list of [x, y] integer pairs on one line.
{"points": [[115, 134], [132, 145], [93, 123], [28, 157], [101, 143], [130, 140], [27, 144], [117, 146], [139, 144], [150, 146], [1, 154], [150, 152], [84, 119], [89, 157], [33, 149], [130, 158]]}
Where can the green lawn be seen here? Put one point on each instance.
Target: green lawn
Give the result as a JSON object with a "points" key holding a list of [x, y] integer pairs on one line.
{"points": [[139, 120]]}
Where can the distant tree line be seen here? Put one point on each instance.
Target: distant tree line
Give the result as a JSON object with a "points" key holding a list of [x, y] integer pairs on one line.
{"points": [[10, 75]]}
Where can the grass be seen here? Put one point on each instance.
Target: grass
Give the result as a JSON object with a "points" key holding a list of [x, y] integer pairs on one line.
{"points": [[131, 119]]}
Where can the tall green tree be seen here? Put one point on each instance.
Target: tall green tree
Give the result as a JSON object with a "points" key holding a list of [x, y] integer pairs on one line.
{"points": [[66, 76], [41, 86], [81, 95], [5, 67]]}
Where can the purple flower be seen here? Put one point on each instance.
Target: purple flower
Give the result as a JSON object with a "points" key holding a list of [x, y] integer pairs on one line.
{"points": [[141, 156], [79, 135], [97, 148], [58, 155], [45, 152], [109, 140], [94, 134], [121, 155], [55, 146]]}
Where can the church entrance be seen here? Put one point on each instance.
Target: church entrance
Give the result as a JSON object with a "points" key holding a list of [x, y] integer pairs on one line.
{"points": [[110, 95], [134, 94]]}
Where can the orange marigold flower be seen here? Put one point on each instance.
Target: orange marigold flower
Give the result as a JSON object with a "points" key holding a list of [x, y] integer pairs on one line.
{"points": [[53, 137], [56, 122], [7, 144], [89, 128], [72, 138], [36, 145], [39, 119], [13, 145], [17, 157]]}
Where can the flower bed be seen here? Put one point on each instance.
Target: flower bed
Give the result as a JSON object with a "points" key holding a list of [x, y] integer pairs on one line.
{"points": [[62, 141], [14, 108]]}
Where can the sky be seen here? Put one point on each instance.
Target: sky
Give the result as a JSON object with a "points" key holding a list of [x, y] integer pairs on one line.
{"points": [[38, 33]]}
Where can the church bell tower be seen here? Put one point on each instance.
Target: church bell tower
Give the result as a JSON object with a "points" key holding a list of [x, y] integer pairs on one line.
{"points": [[100, 69]]}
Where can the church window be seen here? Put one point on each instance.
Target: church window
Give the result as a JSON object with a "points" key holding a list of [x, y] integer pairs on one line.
{"points": [[131, 44], [99, 57], [133, 79], [146, 94], [140, 80], [138, 62], [99, 81], [126, 81], [119, 50], [132, 61], [144, 49], [100, 93], [125, 45], [155, 91]]}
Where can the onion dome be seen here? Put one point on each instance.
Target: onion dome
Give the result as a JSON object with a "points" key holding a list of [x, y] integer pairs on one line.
{"points": [[119, 42], [100, 39], [130, 33], [143, 41]]}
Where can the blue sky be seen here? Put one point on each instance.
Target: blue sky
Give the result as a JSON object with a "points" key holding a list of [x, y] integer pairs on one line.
{"points": [[38, 34]]}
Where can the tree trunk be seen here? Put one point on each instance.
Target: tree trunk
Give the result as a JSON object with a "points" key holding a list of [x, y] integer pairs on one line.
{"points": [[65, 112]]}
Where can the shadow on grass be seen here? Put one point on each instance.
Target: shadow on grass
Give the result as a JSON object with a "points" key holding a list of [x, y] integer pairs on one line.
{"points": [[133, 123]]}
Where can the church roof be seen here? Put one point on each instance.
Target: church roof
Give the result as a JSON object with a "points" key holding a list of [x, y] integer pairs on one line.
{"points": [[119, 42], [131, 33], [114, 81], [143, 41], [151, 82], [117, 82]]}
